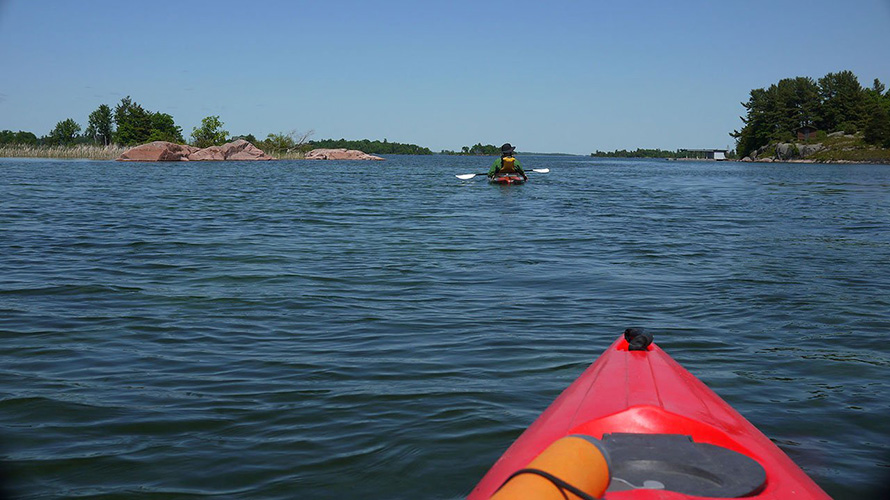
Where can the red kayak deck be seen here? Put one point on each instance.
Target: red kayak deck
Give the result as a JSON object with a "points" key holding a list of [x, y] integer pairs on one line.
{"points": [[647, 392], [506, 179]]}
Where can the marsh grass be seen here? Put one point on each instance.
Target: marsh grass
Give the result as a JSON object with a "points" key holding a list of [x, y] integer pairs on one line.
{"points": [[293, 155], [86, 151]]}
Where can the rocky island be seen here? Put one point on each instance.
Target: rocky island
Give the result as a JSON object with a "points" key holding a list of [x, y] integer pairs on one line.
{"points": [[239, 150], [830, 120]]}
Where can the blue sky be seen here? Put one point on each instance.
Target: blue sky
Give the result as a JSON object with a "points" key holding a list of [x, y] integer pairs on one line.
{"points": [[560, 76]]}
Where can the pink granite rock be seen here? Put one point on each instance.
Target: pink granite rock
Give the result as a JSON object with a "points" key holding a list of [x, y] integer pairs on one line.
{"points": [[158, 151], [340, 154], [213, 153], [242, 150]]}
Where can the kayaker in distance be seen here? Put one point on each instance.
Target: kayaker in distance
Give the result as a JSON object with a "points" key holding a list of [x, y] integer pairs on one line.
{"points": [[506, 163]]}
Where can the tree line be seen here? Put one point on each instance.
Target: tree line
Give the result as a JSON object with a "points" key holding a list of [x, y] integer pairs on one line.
{"points": [[372, 147], [130, 124], [477, 150], [836, 102], [639, 153]]}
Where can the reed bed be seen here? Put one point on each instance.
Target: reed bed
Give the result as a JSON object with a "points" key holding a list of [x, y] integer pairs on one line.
{"points": [[85, 151], [292, 155]]}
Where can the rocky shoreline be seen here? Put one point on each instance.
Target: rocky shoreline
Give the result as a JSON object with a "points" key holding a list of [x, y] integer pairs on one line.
{"points": [[819, 162], [239, 150], [837, 148], [340, 154]]}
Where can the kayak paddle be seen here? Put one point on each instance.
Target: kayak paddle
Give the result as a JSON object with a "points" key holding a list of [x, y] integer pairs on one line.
{"points": [[470, 176]]}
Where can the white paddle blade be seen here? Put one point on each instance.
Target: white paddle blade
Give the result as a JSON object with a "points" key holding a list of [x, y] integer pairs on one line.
{"points": [[465, 176], [541, 170]]}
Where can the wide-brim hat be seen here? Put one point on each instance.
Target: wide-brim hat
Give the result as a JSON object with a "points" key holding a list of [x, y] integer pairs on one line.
{"points": [[507, 148]]}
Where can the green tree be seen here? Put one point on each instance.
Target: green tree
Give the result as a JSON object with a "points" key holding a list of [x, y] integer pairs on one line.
{"points": [[282, 143], [65, 132], [133, 123], [164, 129], [758, 128], [877, 127], [369, 146], [210, 133], [479, 149], [836, 101], [843, 100], [136, 125], [20, 137], [249, 138], [797, 103], [100, 126], [279, 143]]}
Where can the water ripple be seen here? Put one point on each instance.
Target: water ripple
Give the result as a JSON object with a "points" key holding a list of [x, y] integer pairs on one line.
{"points": [[296, 329]]}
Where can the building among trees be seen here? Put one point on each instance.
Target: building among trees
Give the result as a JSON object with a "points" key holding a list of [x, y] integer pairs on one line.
{"points": [[705, 154], [804, 133]]}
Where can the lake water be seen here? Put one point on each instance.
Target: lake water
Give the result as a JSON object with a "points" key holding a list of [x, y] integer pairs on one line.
{"points": [[383, 330]]}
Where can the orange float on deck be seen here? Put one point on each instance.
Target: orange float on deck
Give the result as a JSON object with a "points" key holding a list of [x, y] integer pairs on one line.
{"points": [[577, 461]]}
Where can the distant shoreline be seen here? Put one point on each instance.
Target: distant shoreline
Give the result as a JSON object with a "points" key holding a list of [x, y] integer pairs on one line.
{"points": [[88, 152], [803, 161], [101, 153], [112, 152]]}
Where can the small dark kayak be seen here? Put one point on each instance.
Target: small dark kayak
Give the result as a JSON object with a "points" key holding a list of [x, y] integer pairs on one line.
{"points": [[637, 425], [506, 179]]}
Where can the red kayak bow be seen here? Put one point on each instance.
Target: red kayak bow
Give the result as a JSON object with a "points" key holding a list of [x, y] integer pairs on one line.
{"points": [[664, 433]]}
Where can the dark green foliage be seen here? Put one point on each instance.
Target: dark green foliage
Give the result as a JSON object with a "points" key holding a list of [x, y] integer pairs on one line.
{"points": [[286, 143], [278, 144], [478, 149], [758, 129], [133, 123], [100, 127], [371, 147], [843, 100], [65, 133], [639, 153], [136, 125], [847, 127], [775, 113], [249, 138], [163, 129], [877, 128], [837, 102], [210, 133], [20, 137]]}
